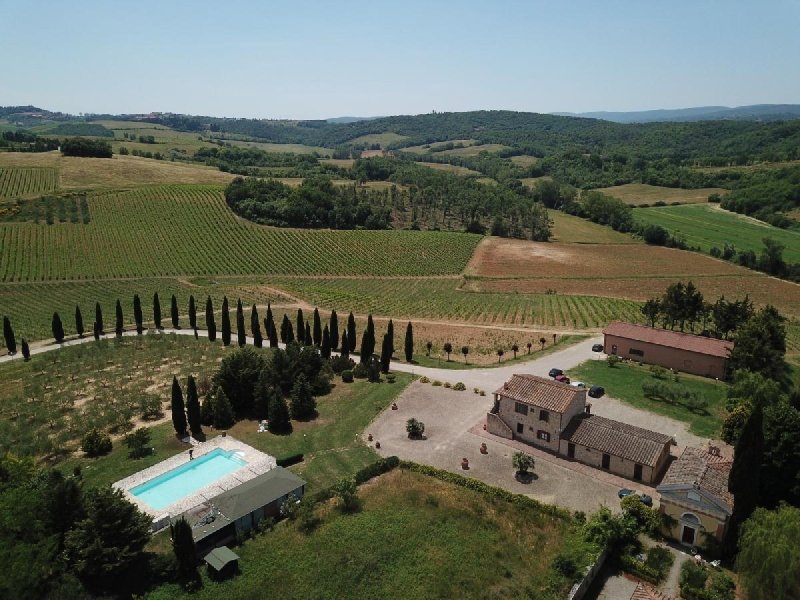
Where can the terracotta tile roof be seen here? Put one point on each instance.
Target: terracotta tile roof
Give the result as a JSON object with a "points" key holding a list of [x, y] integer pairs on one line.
{"points": [[540, 392], [697, 467], [645, 591], [620, 439], [671, 339]]}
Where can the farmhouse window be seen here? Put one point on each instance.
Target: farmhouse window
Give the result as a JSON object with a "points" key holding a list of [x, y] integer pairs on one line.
{"points": [[636, 352], [544, 416], [543, 435], [521, 408], [520, 428]]}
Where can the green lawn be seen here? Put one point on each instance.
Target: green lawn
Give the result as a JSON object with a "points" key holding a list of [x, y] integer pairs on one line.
{"points": [[624, 382], [705, 226], [414, 537]]}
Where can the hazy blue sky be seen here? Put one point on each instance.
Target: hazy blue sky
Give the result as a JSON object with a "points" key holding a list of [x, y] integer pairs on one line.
{"points": [[309, 59]]}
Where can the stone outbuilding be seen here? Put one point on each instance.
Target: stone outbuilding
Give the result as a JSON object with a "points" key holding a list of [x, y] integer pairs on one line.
{"points": [[694, 492], [684, 352]]}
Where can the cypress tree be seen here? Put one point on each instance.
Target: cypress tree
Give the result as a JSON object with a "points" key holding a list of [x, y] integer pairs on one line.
{"points": [[351, 332], [226, 322], [317, 332], [255, 327], [744, 481], [178, 409], [309, 341], [137, 313], [345, 350], [325, 347], [157, 311], [303, 403], [58, 328], [222, 410], [386, 353], [370, 335], [118, 326], [409, 342], [211, 325], [365, 353], [269, 328], [287, 333], [98, 317], [26, 351], [241, 334], [261, 395], [8, 336], [273, 337], [283, 327], [390, 333], [96, 331], [193, 408], [301, 327], [334, 329], [192, 314], [278, 412], [173, 311], [79, 321], [184, 548]]}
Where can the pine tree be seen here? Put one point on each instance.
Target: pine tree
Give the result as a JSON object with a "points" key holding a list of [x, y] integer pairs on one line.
{"points": [[390, 333], [409, 342], [241, 333], [345, 350], [207, 409], [137, 313], [255, 327], [351, 332], [325, 347], [334, 329], [157, 311], [184, 548], [222, 410], [278, 412], [26, 351], [269, 328], [173, 311], [301, 327], [58, 328], [317, 331], [8, 336], [192, 314], [308, 341], [211, 325], [119, 326], [386, 353], [79, 321], [193, 408], [178, 409], [303, 403], [226, 322], [98, 317]]}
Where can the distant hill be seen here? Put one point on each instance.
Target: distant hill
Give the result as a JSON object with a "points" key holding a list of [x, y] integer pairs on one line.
{"points": [[755, 112], [350, 119]]}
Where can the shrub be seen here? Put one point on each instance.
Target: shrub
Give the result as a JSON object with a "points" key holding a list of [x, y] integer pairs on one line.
{"points": [[138, 443], [612, 360], [96, 444], [658, 371], [447, 385], [339, 364], [476, 390], [459, 387], [693, 575], [655, 235], [436, 382], [424, 379], [347, 376], [566, 566], [415, 428], [360, 371], [636, 567], [483, 393], [391, 378], [150, 407], [379, 467], [660, 559], [291, 459]]}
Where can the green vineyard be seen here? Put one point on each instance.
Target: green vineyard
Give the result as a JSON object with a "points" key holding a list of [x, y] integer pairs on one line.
{"points": [[16, 182], [441, 299], [188, 230]]}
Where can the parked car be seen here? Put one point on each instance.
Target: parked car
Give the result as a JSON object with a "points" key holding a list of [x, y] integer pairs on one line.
{"points": [[625, 492], [555, 372], [597, 391], [597, 347], [578, 384], [561, 378]]}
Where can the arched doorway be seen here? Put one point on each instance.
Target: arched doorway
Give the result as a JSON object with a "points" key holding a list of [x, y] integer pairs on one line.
{"points": [[690, 527]]}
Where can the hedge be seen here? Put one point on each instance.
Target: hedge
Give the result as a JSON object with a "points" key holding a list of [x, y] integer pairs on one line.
{"points": [[291, 459], [379, 467], [489, 490], [639, 569]]}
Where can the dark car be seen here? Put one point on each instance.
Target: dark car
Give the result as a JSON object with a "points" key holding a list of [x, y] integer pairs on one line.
{"points": [[597, 391], [597, 347], [555, 372], [625, 492]]}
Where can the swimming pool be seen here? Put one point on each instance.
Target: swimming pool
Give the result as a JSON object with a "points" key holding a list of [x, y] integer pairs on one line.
{"points": [[186, 479]]}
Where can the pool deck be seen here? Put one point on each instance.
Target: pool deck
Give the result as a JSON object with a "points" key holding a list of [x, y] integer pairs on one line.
{"points": [[257, 464]]}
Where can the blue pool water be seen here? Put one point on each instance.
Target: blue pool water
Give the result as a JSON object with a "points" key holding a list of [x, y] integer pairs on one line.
{"points": [[182, 481]]}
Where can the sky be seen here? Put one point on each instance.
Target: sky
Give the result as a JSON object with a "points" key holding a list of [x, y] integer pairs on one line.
{"points": [[318, 59]]}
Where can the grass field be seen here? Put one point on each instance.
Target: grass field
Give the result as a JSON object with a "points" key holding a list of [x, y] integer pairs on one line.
{"points": [[640, 193], [342, 163], [427, 147], [291, 148], [449, 168], [624, 382], [20, 182], [384, 139], [764, 166], [524, 160], [532, 181], [414, 537], [189, 230], [569, 229], [474, 150], [708, 225]]}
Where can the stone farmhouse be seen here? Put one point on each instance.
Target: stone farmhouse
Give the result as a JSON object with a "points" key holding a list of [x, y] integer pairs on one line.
{"points": [[670, 349], [694, 492], [555, 417]]}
